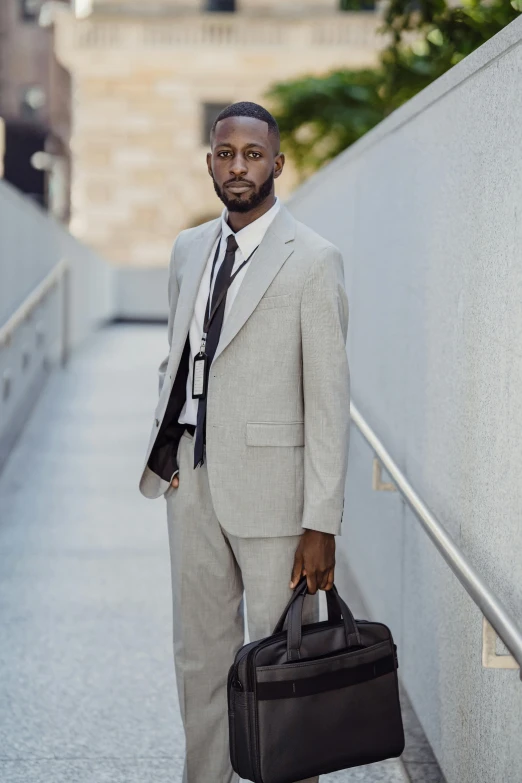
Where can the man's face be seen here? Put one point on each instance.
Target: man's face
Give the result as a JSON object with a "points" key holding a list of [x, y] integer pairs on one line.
{"points": [[243, 163]]}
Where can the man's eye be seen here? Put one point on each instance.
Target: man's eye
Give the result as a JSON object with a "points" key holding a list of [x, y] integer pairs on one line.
{"points": [[223, 153], [255, 154]]}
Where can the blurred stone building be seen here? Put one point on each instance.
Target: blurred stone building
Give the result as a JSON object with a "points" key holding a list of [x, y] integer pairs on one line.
{"points": [[35, 106], [148, 80]]}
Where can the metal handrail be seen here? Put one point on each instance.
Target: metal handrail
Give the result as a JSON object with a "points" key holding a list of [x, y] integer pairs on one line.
{"points": [[491, 607], [30, 304]]}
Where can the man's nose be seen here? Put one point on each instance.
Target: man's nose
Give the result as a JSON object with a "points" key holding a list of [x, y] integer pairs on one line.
{"points": [[238, 166]]}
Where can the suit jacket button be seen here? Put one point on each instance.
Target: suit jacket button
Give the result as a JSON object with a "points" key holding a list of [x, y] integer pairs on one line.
{"points": [[157, 422]]}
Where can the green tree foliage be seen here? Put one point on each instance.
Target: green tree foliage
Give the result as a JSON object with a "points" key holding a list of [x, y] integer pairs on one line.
{"points": [[321, 116], [443, 35], [357, 5]]}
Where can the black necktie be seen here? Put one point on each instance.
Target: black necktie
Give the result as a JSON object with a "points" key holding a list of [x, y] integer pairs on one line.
{"points": [[214, 331]]}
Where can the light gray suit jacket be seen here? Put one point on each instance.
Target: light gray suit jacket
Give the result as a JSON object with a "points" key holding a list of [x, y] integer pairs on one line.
{"points": [[278, 408]]}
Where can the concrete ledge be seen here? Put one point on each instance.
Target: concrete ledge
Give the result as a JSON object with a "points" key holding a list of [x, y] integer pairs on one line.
{"points": [[483, 57]]}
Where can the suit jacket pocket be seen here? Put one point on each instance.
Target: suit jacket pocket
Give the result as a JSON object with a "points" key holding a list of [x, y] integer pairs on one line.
{"points": [[275, 433], [281, 300]]}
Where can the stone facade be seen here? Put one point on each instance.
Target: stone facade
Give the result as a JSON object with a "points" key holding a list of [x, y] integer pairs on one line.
{"points": [[140, 83]]}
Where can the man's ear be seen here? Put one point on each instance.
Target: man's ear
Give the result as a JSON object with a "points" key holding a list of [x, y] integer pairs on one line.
{"points": [[279, 164], [209, 163]]}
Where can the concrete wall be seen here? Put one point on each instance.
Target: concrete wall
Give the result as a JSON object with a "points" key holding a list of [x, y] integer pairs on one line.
{"points": [[31, 245], [142, 294], [427, 210]]}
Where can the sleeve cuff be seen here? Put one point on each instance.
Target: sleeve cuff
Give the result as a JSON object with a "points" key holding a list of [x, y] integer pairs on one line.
{"points": [[334, 531]]}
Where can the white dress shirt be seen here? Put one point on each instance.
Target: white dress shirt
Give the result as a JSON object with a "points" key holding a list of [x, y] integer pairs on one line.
{"points": [[247, 239]]}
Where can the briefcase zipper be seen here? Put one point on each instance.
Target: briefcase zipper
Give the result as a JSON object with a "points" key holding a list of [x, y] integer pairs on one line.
{"points": [[233, 678], [250, 670], [251, 675], [238, 660]]}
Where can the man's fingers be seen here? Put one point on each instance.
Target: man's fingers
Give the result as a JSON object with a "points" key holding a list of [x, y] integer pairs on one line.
{"points": [[175, 482], [311, 581], [296, 570], [323, 580], [330, 580]]}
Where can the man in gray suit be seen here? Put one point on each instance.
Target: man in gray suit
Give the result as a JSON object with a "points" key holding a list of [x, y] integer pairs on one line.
{"points": [[249, 444]]}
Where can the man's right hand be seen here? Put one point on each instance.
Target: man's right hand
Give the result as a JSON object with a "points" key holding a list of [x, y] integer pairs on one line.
{"points": [[175, 482]]}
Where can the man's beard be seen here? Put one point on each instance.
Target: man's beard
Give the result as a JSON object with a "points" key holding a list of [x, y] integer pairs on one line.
{"points": [[238, 204]]}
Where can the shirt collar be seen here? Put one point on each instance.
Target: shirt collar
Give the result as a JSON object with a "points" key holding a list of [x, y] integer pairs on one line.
{"points": [[249, 237]]}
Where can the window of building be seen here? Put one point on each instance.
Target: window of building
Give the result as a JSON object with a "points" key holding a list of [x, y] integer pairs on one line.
{"points": [[32, 102], [82, 8], [30, 9], [210, 112], [357, 5], [221, 5]]}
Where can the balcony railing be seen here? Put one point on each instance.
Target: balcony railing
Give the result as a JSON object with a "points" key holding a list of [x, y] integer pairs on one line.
{"points": [[343, 29]]}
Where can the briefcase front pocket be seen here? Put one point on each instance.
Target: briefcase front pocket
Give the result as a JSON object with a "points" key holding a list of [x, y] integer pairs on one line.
{"points": [[321, 717]]}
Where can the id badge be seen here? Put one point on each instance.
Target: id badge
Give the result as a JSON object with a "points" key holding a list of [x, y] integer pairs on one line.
{"points": [[199, 377]]}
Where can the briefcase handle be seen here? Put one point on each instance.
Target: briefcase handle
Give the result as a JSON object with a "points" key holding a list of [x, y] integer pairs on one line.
{"points": [[337, 609]]}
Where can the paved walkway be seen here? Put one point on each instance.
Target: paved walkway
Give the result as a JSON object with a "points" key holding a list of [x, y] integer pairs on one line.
{"points": [[87, 687]]}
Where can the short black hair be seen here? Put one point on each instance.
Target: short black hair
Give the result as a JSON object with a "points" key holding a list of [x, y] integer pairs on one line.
{"points": [[248, 109]]}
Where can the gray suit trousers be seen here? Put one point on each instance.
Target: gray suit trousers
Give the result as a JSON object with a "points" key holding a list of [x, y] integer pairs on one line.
{"points": [[210, 572]]}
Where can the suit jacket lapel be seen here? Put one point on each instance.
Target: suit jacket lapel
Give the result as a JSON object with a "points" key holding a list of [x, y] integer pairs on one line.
{"points": [[198, 253], [274, 250]]}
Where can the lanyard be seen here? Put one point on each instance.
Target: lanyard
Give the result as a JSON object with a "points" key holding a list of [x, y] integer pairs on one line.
{"points": [[201, 360], [209, 317]]}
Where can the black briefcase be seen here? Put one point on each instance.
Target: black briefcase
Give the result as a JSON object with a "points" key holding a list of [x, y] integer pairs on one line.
{"points": [[314, 699]]}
